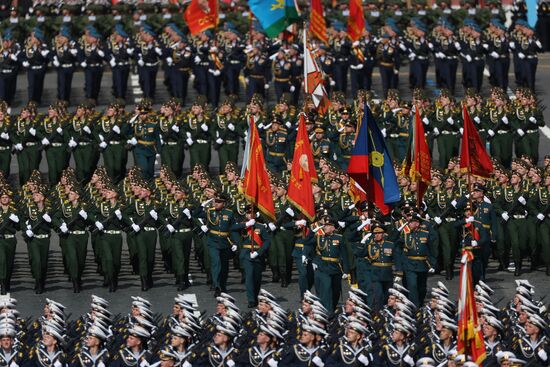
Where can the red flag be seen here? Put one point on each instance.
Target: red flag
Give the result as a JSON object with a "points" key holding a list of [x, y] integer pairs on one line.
{"points": [[300, 192], [356, 20], [470, 337], [201, 15], [418, 162], [356, 192], [317, 23], [256, 186], [314, 81], [473, 156]]}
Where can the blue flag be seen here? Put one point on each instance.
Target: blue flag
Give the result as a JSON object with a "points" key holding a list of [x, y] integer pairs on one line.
{"points": [[274, 15]]}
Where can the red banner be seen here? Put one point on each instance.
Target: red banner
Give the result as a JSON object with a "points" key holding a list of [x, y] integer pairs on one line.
{"points": [[473, 156], [201, 15], [317, 23], [356, 20]]}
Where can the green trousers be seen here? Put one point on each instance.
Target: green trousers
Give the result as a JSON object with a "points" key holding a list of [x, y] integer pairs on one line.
{"points": [[252, 275], [518, 234], [532, 145], [447, 146], [28, 160], [173, 157], [328, 288], [219, 263], [84, 157], [57, 158], [146, 242], [132, 251], [448, 240], [200, 153], [280, 252], [75, 254], [115, 158], [5, 161], [110, 247], [7, 257], [544, 241], [228, 153], [38, 249], [180, 250], [501, 148]]}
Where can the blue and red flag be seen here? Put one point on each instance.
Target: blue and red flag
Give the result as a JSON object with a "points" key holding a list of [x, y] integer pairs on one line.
{"points": [[371, 165]]}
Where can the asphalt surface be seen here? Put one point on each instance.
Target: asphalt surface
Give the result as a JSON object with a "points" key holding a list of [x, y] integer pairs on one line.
{"points": [[161, 295]]}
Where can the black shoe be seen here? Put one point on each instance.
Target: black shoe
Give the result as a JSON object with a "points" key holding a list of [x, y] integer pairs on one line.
{"points": [[39, 288], [112, 287], [252, 304], [3, 288], [144, 284], [242, 278], [548, 271], [276, 276], [76, 287], [150, 281], [517, 271], [284, 283], [217, 292], [449, 273]]}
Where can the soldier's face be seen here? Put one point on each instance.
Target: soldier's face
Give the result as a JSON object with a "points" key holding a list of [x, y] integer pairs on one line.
{"points": [[531, 329], [133, 341], [397, 336], [92, 341], [488, 330], [445, 334], [352, 335], [348, 307], [307, 337], [48, 340], [167, 363], [6, 342], [262, 338], [378, 237], [176, 341], [220, 338], [4, 199]]}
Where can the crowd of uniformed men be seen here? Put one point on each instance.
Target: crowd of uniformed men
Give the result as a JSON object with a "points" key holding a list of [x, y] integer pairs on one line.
{"points": [[395, 334], [144, 41]]}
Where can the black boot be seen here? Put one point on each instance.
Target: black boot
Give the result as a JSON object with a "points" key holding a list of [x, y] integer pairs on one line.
{"points": [[533, 266], [548, 271], [39, 287], [76, 286], [449, 272], [144, 284], [217, 292], [3, 287], [517, 272], [276, 276], [284, 281], [150, 280], [112, 286]]}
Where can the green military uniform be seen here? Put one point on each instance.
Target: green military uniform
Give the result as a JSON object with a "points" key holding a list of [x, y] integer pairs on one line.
{"points": [[5, 146], [419, 256], [111, 138], [527, 136], [255, 244], [172, 153], [397, 133], [346, 142], [321, 147], [328, 253], [499, 127], [446, 129], [26, 144], [146, 141], [9, 224], [79, 139], [198, 138], [228, 132], [276, 141], [280, 251], [539, 208], [51, 134]]}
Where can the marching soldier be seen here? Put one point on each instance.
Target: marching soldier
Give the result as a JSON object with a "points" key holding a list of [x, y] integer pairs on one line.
{"points": [[94, 352], [388, 60], [119, 50], [418, 49], [6, 130], [35, 58], [282, 73], [26, 143], [93, 56], [446, 128], [472, 51], [81, 142], [145, 138], [51, 131], [171, 131], [446, 52], [9, 67], [135, 351], [198, 135], [148, 54], [234, 58], [110, 136], [498, 56], [256, 72], [340, 50], [65, 57], [9, 224], [179, 61], [228, 131], [48, 352], [276, 139]]}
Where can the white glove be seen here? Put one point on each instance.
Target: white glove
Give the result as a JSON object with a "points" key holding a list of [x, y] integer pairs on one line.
{"points": [[300, 223], [44, 53], [512, 45], [83, 214], [5, 136], [187, 213], [204, 127], [253, 255], [158, 51], [272, 227], [26, 64], [189, 141], [230, 363], [14, 218], [219, 141], [474, 243], [217, 72], [72, 143], [270, 363], [332, 83], [169, 61], [187, 364], [99, 225], [453, 203], [505, 120], [87, 129], [470, 219], [412, 56], [175, 128], [56, 62], [542, 353], [304, 259], [360, 67], [73, 51], [314, 266], [19, 146], [345, 276], [32, 131], [520, 132], [231, 127], [29, 233], [118, 214], [436, 131], [366, 238], [426, 121], [486, 199], [266, 86], [521, 55], [438, 220], [289, 211], [83, 64], [197, 59], [461, 130], [539, 45], [318, 361], [431, 270], [477, 119], [522, 200], [292, 89], [397, 279], [45, 141], [383, 131], [491, 133], [204, 228], [363, 359], [170, 228], [450, 121], [250, 223], [533, 119], [233, 248], [129, 51], [47, 218], [112, 62], [468, 58], [135, 227], [540, 216], [101, 53], [59, 130], [154, 214], [141, 62], [505, 216], [342, 224], [63, 227], [103, 145], [495, 55]]}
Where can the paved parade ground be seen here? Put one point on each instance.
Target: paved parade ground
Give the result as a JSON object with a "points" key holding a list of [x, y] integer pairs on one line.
{"points": [[161, 295]]}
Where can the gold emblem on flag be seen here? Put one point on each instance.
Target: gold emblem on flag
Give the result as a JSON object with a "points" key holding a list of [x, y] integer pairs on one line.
{"points": [[377, 158]]}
